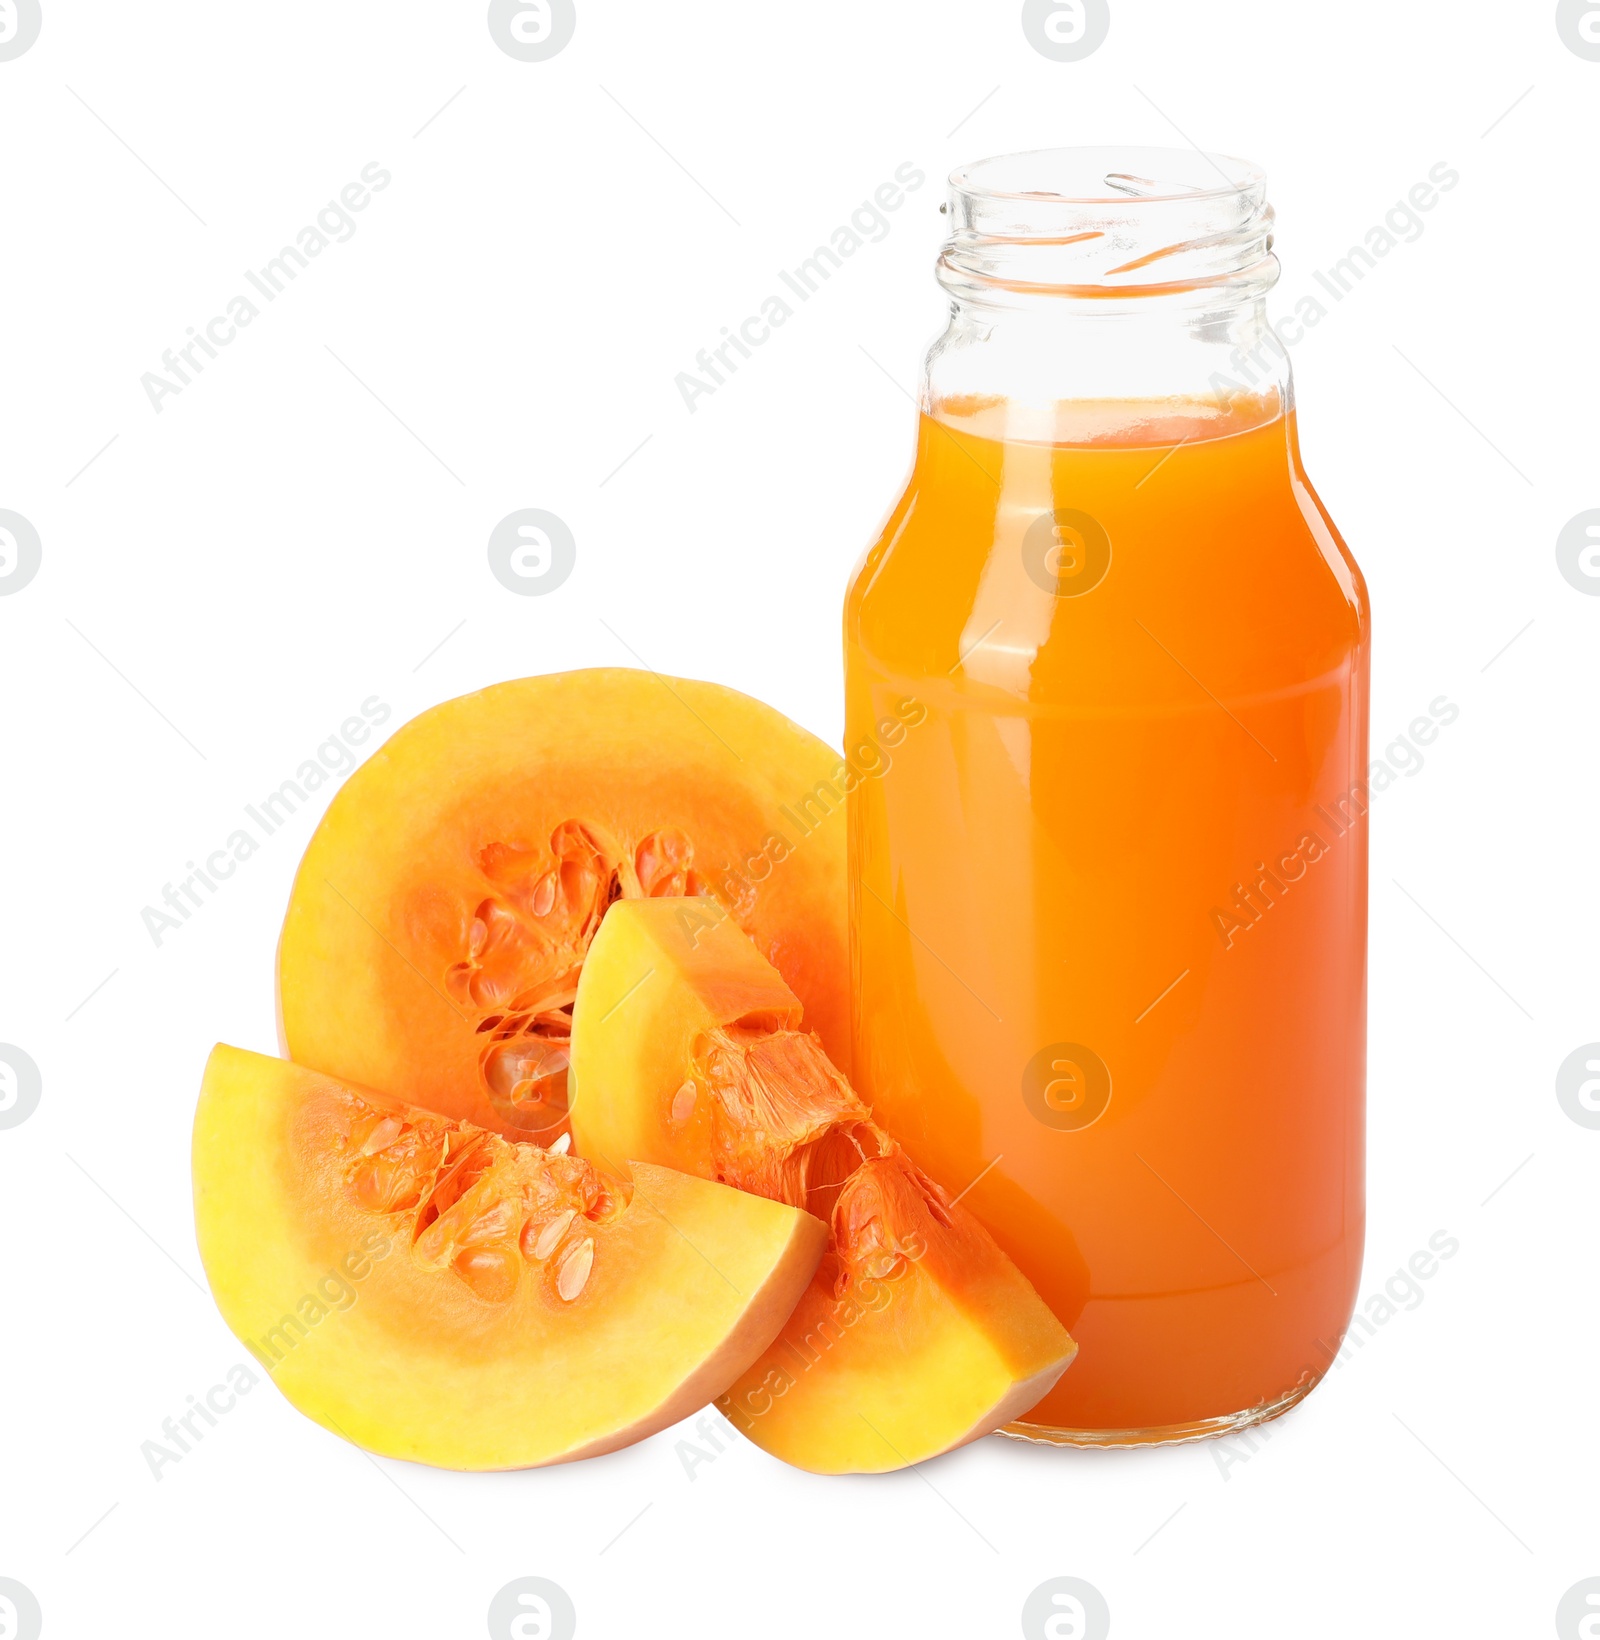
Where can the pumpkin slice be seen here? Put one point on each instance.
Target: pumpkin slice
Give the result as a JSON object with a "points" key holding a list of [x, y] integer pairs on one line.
{"points": [[436, 1292], [917, 1334], [444, 907]]}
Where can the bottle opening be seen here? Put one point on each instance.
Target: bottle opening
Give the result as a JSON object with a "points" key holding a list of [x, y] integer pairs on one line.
{"points": [[1107, 222]]}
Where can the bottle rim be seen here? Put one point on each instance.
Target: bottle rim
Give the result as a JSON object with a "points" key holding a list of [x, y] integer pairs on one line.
{"points": [[1183, 174], [1107, 221]]}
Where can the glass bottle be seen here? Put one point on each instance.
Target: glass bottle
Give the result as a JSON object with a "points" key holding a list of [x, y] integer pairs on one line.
{"points": [[1108, 662]]}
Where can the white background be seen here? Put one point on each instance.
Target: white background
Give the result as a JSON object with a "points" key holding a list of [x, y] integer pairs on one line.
{"points": [[231, 577]]}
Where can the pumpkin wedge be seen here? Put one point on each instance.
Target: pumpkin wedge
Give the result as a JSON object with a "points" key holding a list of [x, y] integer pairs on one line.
{"points": [[433, 1291], [917, 1334]]}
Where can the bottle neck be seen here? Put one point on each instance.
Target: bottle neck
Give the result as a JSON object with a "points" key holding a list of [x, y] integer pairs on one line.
{"points": [[1086, 371], [1101, 293]]}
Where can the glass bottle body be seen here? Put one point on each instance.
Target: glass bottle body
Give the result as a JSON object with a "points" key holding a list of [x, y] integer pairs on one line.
{"points": [[1109, 879]]}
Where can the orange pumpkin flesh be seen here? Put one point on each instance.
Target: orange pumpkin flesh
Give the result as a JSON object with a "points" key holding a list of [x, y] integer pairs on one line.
{"points": [[442, 913], [916, 1334], [435, 1292]]}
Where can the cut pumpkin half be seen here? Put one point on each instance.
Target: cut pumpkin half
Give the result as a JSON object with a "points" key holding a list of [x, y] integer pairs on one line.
{"points": [[917, 1334], [433, 1291], [443, 910]]}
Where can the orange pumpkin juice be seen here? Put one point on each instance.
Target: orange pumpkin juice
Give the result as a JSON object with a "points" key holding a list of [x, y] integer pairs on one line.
{"points": [[1109, 903]]}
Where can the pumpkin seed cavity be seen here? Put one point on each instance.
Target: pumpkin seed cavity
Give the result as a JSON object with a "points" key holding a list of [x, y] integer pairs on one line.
{"points": [[472, 1202], [525, 945]]}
